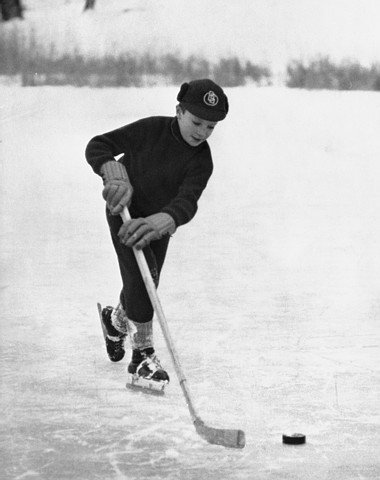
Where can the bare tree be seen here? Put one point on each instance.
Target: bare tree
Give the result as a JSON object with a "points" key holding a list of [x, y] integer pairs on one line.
{"points": [[10, 9], [89, 5]]}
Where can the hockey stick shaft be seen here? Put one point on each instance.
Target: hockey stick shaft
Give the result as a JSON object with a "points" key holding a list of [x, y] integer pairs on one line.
{"points": [[152, 292], [225, 437]]}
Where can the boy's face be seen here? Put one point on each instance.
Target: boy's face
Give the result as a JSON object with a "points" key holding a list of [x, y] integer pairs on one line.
{"points": [[194, 130]]}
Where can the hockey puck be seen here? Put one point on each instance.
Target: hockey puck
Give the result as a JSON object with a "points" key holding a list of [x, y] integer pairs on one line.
{"points": [[294, 439]]}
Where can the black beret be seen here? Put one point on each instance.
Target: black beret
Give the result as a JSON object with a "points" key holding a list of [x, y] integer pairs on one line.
{"points": [[204, 99]]}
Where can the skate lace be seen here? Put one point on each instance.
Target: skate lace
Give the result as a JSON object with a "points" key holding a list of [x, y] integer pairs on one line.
{"points": [[151, 368], [152, 362]]}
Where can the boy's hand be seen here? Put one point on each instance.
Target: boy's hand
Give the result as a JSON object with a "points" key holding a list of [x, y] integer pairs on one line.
{"points": [[117, 191], [117, 194], [139, 232]]}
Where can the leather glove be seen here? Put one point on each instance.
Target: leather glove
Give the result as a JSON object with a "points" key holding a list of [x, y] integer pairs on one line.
{"points": [[117, 191], [139, 232]]}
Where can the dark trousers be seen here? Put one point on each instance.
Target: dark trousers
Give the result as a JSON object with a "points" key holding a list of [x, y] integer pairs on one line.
{"points": [[134, 297]]}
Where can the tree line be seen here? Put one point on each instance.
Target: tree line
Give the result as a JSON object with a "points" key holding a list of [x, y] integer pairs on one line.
{"points": [[322, 73], [36, 65]]}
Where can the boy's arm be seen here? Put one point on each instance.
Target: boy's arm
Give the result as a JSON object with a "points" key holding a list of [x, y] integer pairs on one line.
{"points": [[140, 232], [104, 148], [185, 204], [100, 154]]}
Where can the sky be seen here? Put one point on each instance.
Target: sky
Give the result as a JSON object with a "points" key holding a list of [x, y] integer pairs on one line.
{"points": [[264, 31]]}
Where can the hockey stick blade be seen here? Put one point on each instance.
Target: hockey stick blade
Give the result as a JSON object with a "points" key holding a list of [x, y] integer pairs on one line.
{"points": [[219, 436]]}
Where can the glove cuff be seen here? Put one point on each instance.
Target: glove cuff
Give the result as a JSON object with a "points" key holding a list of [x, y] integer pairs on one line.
{"points": [[163, 223], [113, 170]]}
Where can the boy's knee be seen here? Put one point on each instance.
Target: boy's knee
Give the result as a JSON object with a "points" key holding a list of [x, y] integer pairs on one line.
{"points": [[140, 315], [137, 305]]}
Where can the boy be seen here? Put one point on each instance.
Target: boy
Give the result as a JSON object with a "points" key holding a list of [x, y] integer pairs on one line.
{"points": [[165, 167]]}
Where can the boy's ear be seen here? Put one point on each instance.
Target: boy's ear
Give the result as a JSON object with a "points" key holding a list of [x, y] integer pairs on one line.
{"points": [[178, 110]]}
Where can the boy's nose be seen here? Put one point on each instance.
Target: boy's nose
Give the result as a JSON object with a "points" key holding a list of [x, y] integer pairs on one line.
{"points": [[202, 131]]}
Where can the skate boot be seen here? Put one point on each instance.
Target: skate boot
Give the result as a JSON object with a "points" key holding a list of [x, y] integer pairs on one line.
{"points": [[146, 371], [113, 337]]}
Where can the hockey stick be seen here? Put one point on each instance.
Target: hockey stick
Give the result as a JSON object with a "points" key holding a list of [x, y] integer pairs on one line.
{"points": [[218, 436]]}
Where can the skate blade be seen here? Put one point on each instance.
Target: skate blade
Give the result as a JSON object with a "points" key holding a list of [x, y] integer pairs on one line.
{"points": [[104, 330], [153, 387]]}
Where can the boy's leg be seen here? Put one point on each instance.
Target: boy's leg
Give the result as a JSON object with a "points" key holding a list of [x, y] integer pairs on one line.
{"points": [[134, 297]]}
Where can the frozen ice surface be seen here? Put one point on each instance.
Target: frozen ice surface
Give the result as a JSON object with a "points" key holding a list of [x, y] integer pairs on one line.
{"points": [[271, 293]]}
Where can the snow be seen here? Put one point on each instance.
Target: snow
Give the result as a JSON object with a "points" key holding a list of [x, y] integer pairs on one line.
{"points": [[271, 293]]}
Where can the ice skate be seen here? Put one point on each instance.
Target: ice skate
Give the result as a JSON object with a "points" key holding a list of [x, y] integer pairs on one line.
{"points": [[113, 337], [146, 372]]}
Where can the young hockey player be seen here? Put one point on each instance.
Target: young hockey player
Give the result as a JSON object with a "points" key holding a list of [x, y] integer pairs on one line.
{"points": [[165, 167]]}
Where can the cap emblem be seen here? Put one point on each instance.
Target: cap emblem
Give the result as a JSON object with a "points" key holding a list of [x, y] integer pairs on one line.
{"points": [[211, 99]]}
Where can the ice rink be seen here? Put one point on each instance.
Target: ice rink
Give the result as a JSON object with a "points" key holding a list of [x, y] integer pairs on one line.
{"points": [[272, 293]]}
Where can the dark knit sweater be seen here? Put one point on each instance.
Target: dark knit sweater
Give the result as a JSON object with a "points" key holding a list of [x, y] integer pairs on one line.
{"points": [[166, 173]]}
